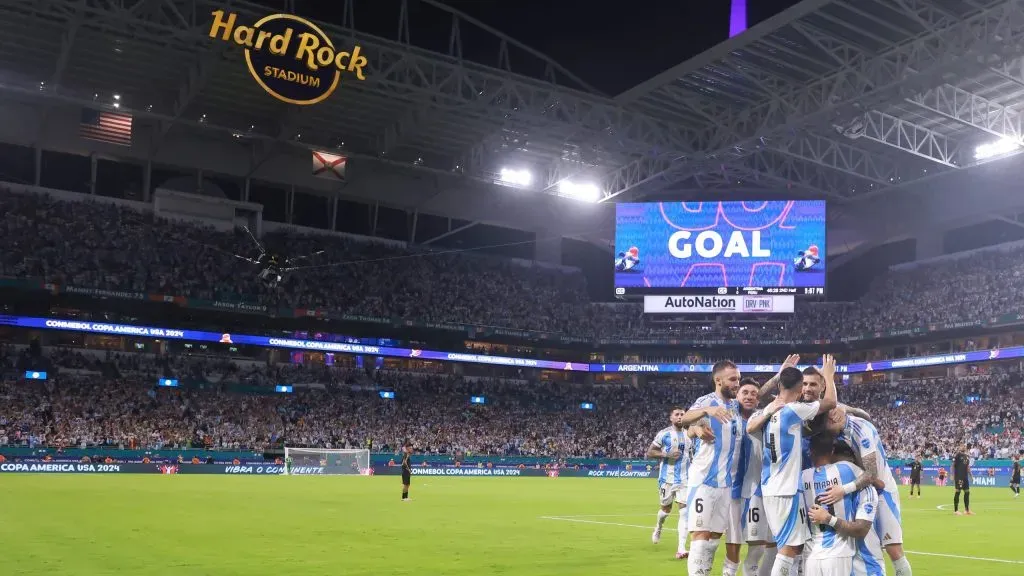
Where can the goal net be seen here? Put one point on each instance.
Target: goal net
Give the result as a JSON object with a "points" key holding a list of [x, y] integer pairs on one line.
{"points": [[320, 461]]}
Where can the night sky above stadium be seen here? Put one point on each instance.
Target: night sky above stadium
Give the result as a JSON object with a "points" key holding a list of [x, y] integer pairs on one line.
{"points": [[611, 48]]}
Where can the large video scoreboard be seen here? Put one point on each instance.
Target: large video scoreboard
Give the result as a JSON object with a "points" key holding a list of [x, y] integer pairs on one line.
{"points": [[720, 248]]}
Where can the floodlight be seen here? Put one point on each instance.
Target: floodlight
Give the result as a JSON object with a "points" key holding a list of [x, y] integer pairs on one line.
{"points": [[518, 177], [997, 148], [586, 192]]}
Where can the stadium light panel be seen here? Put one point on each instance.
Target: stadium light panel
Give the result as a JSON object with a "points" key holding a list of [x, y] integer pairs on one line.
{"points": [[586, 192], [517, 177], [997, 148]]}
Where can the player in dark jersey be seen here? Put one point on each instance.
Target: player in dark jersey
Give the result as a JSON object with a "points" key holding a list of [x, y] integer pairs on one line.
{"points": [[1015, 477], [962, 480], [915, 476], [406, 469]]}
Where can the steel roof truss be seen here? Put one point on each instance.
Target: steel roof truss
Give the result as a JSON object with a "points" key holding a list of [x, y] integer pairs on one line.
{"points": [[842, 157], [909, 137], [992, 34], [971, 110]]}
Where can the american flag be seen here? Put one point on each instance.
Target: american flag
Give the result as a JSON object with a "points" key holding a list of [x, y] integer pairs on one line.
{"points": [[106, 127]]}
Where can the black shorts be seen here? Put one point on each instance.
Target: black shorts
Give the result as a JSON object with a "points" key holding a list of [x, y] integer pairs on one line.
{"points": [[1015, 480], [962, 484], [406, 477], [915, 479]]}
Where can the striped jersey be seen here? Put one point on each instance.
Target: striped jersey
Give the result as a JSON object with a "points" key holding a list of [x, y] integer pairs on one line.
{"points": [[749, 476], [825, 541], [715, 464], [783, 444], [863, 437], [671, 471]]}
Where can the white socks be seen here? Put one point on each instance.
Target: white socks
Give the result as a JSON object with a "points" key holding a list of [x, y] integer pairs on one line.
{"points": [[730, 568], [682, 532], [783, 566], [693, 562], [702, 556], [902, 567], [661, 519], [767, 561], [754, 553]]}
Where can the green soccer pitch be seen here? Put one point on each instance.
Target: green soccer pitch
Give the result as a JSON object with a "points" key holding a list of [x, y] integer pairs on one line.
{"points": [[249, 526]]}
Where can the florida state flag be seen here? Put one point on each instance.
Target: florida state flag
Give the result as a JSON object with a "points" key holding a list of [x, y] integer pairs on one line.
{"points": [[329, 166]]}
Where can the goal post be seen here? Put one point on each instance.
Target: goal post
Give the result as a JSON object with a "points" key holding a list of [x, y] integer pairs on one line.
{"points": [[326, 461]]}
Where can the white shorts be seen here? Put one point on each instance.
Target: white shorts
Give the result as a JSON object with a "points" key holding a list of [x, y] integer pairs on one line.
{"points": [[753, 521], [787, 519], [888, 519], [669, 493], [829, 567], [708, 509]]}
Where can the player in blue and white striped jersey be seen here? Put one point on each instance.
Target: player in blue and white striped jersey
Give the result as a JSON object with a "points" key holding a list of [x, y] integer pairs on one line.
{"points": [[671, 446], [837, 545], [783, 423], [749, 524], [713, 467], [863, 438]]}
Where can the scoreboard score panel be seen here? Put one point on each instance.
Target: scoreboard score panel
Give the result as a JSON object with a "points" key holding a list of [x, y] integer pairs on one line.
{"points": [[720, 248], [718, 304]]}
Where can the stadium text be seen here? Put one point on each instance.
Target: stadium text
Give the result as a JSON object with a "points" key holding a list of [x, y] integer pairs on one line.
{"points": [[638, 368], [702, 302], [298, 63], [709, 243], [618, 474], [774, 304], [253, 469], [465, 472], [114, 329], [56, 467]]}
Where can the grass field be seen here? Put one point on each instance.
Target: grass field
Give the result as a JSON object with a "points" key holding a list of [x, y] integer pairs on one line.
{"points": [[85, 525]]}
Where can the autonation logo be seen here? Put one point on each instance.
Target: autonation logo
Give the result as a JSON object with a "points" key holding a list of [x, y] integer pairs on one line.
{"points": [[691, 304]]}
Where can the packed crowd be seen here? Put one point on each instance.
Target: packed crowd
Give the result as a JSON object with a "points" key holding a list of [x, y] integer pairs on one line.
{"points": [[934, 417], [111, 399], [74, 243]]}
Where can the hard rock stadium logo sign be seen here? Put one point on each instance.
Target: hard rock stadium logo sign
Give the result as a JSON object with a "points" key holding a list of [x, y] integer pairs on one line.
{"points": [[290, 57]]}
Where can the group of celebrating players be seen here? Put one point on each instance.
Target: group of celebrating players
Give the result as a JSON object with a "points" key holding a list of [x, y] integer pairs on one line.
{"points": [[801, 479]]}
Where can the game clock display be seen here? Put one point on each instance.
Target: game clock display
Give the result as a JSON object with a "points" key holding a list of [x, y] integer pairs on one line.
{"points": [[720, 248]]}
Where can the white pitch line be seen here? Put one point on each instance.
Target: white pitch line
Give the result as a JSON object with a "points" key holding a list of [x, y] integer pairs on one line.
{"points": [[1000, 560], [945, 508], [956, 556], [601, 516]]}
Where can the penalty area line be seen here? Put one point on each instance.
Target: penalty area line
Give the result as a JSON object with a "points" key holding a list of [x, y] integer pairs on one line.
{"points": [[622, 525]]}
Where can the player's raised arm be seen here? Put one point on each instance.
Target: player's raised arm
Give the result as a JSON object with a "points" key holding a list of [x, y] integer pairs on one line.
{"points": [[758, 419], [859, 413], [772, 385], [828, 371]]}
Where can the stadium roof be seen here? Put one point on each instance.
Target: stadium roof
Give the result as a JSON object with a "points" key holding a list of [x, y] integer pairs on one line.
{"points": [[845, 98]]}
